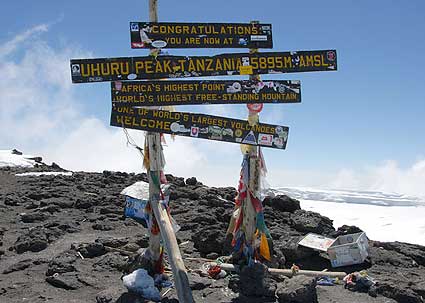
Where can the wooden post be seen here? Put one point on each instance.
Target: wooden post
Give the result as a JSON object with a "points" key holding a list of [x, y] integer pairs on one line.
{"points": [[153, 142], [156, 162], [289, 272]]}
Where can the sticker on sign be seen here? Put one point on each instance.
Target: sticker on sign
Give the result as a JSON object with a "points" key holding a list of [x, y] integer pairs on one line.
{"points": [[258, 38], [159, 44]]}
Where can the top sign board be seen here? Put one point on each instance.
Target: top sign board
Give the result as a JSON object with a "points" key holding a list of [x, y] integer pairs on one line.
{"points": [[149, 67], [200, 35]]}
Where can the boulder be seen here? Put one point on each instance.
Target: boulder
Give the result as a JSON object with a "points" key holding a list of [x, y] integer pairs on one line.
{"points": [[299, 289], [311, 222], [34, 240], [255, 281], [282, 203], [33, 217], [208, 240], [68, 281], [90, 250], [191, 181]]}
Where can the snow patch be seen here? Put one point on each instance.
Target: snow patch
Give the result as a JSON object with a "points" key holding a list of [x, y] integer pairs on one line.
{"points": [[45, 173], [10, 159]]}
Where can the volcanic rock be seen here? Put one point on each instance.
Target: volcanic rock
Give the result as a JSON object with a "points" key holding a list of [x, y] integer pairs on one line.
{"points": [[191, 181], [345, 230], [196, 282], [35, 240], [255, 281], [299, 289], [311, 222], [111, 261], [207, 240], [74, 204], [282, 203], [62, 263], [90, 250], [33, 217], [68, 281], [113, 242], [21, 265]]}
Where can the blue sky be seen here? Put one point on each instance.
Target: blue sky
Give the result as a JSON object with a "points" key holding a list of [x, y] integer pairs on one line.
{"points": [[366, 119]]}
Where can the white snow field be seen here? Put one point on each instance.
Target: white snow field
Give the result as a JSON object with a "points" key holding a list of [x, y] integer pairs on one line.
{"points": [[383, 216]]}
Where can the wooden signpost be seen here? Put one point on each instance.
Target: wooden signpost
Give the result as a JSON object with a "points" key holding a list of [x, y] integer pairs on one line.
{"points": [[139, 105]]}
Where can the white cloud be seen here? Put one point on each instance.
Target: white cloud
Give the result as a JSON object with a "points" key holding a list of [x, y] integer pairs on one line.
{"points": [[13, 44]]}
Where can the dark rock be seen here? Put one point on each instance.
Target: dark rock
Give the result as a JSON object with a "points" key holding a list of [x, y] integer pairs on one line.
{"points": [[142, 241], [50, 209], [90, 250], [35, 240], [112, 242], [255, 281], [55, 166], [345, 230], [299, 289], [212, 256], [68, 281], [104, 296], [83, 204], [16, 152], [415, 252], [111, 261], [311, 222], [132, 247], [140, 261], [40, 195], [234, 282], [191, 181], [62, 263], [102, 226], [208, 240], [178, 182], [282, 203], [197, 282], [111, 210], [33, 217], [21, 265], [11, 201], [381, 256], [399, 283], [129, 297], [62, 202], [292, 251]]}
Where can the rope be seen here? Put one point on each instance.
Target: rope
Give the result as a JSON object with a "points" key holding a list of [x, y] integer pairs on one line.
{"points": [[130, 141]]}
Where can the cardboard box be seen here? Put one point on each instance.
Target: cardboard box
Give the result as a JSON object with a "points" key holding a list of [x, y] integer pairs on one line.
{"points": [[348, 250], [343, 251]]}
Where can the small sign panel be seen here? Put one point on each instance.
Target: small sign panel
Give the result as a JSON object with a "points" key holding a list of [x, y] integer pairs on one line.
{"points": [[163, 93], [200, 35], [200, 126]]}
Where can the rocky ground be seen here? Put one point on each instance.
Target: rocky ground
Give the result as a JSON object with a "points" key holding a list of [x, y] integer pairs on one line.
{"points": [[64, 239]]}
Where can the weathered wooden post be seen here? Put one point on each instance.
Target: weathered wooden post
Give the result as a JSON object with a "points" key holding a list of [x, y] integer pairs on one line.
{"points": [[161, 219]]}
